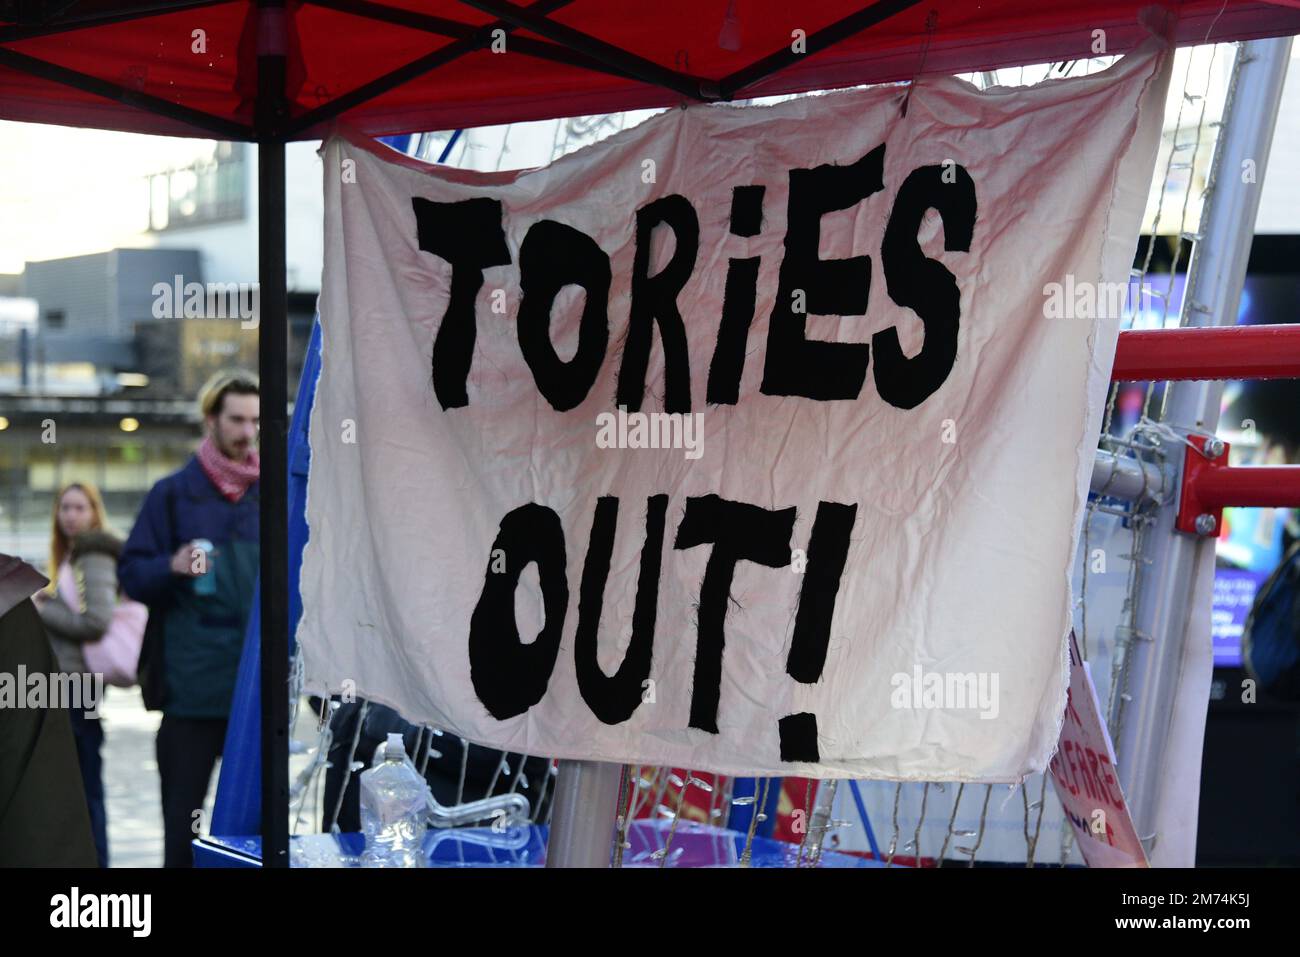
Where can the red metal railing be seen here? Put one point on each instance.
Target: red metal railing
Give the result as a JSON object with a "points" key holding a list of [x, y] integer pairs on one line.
{"points": [[1210, 484], [1250, 485], [1213, 352], [1219, 352]]}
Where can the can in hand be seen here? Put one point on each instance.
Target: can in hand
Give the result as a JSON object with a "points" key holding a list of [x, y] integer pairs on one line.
{"points": [[205, 584]]}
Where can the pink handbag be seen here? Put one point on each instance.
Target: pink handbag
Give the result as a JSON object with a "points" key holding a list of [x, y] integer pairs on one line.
{"points": [[117, 654]]}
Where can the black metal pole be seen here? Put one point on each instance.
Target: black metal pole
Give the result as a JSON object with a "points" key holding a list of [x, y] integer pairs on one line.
{"points": [[841, 29], [624, 61], [216, 125], [272, 359], [467, 39], [122, 14]]}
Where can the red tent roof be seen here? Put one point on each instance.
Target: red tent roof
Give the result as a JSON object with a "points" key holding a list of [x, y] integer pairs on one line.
{"points": [[404, 65]]}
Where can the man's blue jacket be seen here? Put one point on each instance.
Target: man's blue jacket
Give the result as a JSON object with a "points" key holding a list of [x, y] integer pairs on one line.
{"points": [[203, 634]]}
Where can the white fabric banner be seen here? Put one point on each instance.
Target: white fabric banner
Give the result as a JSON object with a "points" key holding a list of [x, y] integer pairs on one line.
{"points": [[750, 440]]}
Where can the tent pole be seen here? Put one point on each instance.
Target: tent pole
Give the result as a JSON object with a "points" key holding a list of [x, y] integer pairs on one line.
{"points": [[623, 61], [272, 359], [34, 66], [1149, 684], [86, 21], [828, 36], [584, 810]]}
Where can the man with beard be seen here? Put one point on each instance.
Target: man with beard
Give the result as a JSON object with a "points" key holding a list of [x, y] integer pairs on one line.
{"points": [[193, 558]]}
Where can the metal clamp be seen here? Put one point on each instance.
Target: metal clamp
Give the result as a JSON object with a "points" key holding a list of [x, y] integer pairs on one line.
{"points": [[1196, 516]]}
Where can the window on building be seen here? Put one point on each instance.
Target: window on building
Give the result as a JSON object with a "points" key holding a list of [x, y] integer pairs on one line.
{"points": [[54, 318], [209, 190]]}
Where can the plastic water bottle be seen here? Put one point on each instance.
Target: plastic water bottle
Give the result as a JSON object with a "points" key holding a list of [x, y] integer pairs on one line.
{"points": [[205, 584], [394, 808]]}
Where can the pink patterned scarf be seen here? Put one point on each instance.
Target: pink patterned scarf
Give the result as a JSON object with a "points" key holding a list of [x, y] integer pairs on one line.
{"points": [[231, 478]]}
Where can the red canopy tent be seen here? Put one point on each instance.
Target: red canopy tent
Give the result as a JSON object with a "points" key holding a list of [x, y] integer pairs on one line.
{"points": [[414, 65], [271, 71]]}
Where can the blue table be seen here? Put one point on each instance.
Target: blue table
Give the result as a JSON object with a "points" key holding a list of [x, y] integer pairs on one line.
{"points": [[693, 845]]}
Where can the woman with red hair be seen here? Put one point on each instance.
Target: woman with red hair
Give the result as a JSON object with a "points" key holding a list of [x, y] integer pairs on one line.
{"points": [[83, 556]]}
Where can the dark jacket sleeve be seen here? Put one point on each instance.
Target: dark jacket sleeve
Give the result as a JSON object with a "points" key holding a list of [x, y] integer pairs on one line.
{"points": [[43, 816], [145, 566]]}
